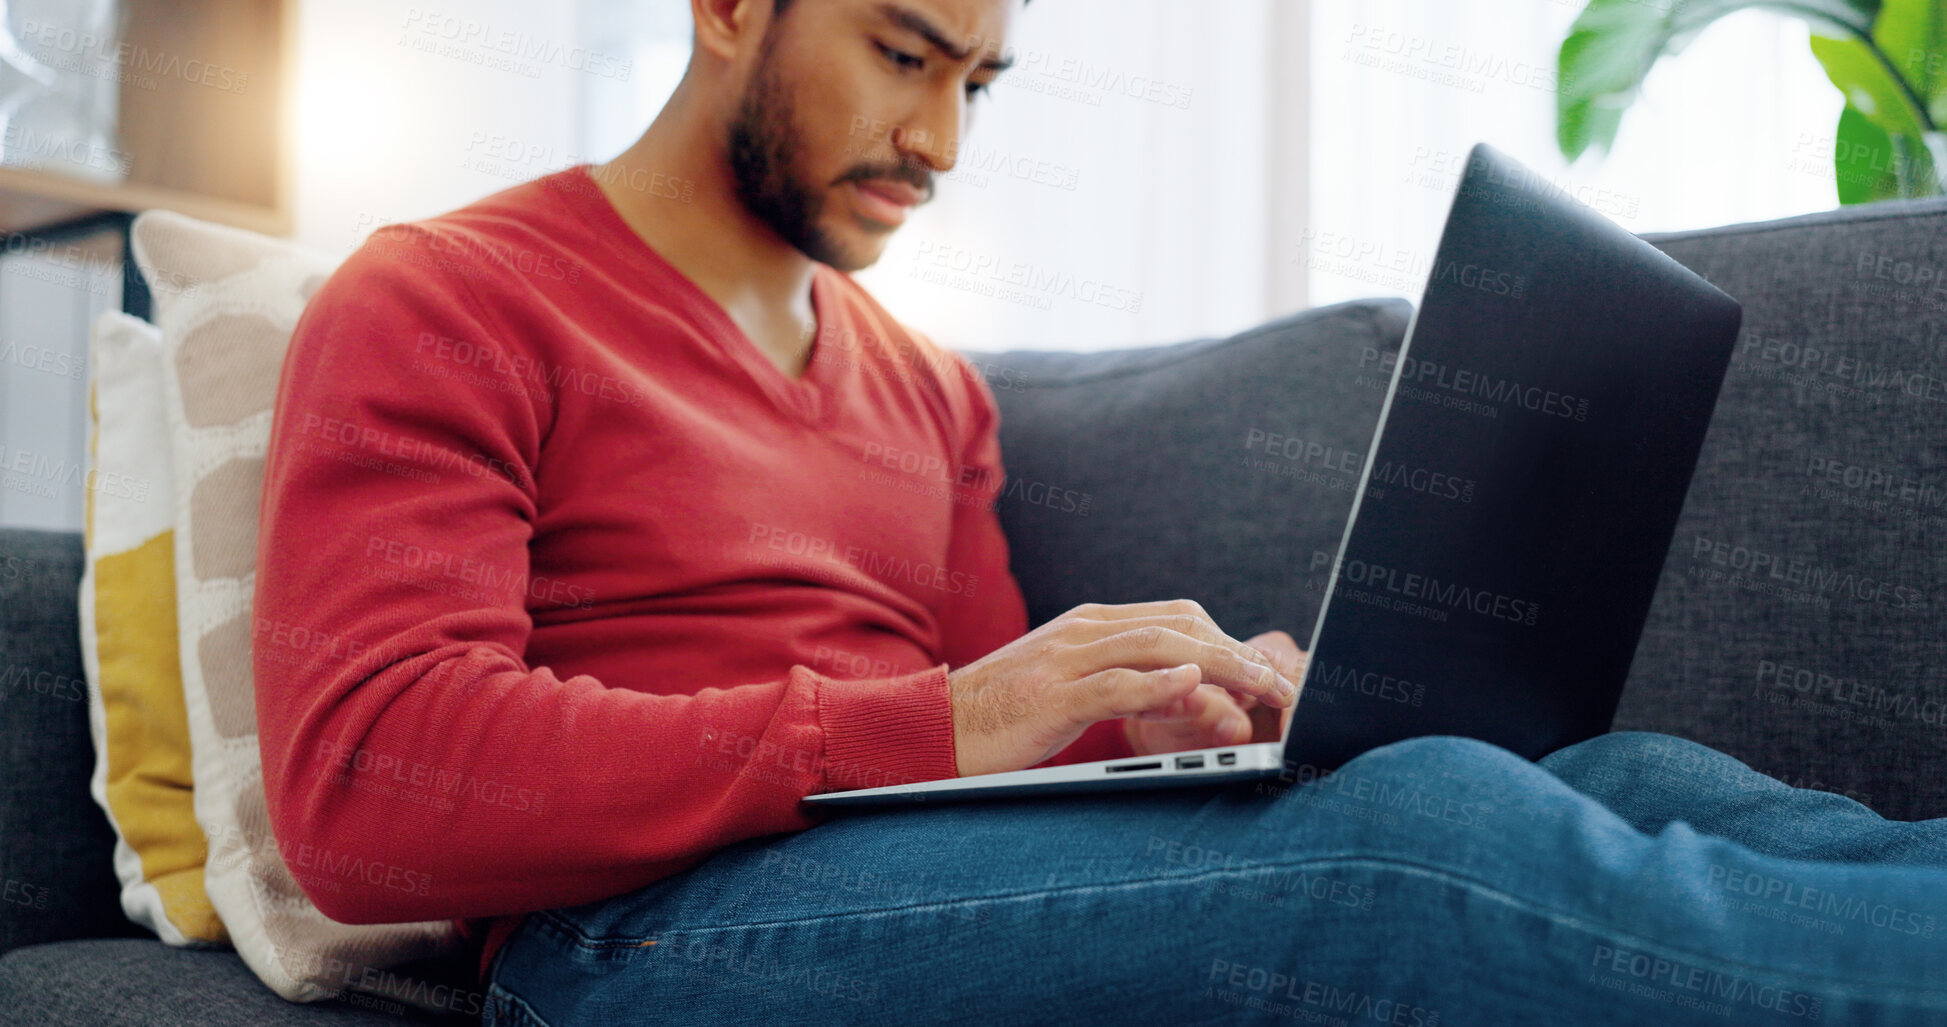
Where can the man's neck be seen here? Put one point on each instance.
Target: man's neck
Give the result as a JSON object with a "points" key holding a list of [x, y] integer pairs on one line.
{"points": [[761, 281]]}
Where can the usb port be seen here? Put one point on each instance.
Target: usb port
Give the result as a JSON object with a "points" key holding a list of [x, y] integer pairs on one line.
{"points": [[1189, 762], [1225, 759], [1123, 768]]}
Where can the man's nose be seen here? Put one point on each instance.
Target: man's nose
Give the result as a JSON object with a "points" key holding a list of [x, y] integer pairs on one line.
{"points": [[931, 135]]}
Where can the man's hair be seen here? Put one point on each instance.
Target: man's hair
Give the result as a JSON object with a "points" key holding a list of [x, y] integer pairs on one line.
{"points": [[778, 7]]}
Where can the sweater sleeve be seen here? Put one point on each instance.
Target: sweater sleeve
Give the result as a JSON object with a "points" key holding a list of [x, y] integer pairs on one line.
{"points": [[400, 729], [997, 614]]}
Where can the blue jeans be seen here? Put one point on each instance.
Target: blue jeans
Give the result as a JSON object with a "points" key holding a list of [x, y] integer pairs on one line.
{"points": [[1632, 879]]}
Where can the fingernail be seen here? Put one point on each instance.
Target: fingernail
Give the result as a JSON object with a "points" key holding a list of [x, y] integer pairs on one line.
{"points": [[1285, 687], [1232, 725]]}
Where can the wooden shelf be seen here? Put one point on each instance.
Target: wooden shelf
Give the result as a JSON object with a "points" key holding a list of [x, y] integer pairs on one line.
{"points": [[205, 120]]}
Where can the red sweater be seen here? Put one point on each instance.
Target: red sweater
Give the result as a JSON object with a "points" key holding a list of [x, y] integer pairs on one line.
{"points": [[562, 585]]}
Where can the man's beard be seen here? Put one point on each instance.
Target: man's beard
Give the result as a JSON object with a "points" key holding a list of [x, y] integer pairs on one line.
{"points": [[764, 142]]}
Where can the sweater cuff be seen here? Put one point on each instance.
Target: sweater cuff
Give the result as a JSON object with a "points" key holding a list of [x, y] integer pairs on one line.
{"points": [[887, 731]]}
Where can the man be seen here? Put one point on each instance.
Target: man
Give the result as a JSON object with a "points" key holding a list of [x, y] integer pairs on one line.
{"points": [[570, 479]]}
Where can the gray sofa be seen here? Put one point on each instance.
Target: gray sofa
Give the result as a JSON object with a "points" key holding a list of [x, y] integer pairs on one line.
{"points": [[1798, 625]]}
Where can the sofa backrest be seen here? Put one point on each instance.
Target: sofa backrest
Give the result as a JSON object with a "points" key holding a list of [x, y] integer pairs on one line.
{"points": [[1802, 620], [1219, 470]]}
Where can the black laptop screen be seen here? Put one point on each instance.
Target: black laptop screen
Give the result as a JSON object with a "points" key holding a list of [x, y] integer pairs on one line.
{"points": [[1543, 419]]}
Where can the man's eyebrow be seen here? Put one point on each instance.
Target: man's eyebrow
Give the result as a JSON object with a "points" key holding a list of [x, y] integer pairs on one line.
{"points": [[916, 23]]}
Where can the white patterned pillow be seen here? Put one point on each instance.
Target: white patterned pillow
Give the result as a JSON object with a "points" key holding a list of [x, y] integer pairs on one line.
{"points": [[226, 320]]}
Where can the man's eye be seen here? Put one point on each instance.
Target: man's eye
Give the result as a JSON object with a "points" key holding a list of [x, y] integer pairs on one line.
{"points": [[900, 57], [976, 88]]}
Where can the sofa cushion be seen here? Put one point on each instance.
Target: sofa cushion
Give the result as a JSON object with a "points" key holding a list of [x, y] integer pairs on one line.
{"points": [[143, 983], [1219, 470], [1798, 625], [56, 880]]}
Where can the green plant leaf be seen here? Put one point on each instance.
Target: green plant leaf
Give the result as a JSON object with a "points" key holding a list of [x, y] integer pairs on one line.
{"points": [[1862, 159], [1880, 150], [1614, 43], [1867, 85], [1913, 35]]}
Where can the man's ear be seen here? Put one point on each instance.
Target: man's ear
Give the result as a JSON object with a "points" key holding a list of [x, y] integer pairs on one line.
{"points": [[724, 27]]}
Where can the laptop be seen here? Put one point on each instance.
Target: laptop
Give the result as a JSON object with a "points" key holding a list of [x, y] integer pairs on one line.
{"points": [[1541, 423]]}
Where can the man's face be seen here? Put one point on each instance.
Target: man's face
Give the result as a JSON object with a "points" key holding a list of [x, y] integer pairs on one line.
{"points": [[852, 108]]}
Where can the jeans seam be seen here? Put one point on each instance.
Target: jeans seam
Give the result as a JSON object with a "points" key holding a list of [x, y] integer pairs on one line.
{"points": [[515, 1005], [1833, 987]]}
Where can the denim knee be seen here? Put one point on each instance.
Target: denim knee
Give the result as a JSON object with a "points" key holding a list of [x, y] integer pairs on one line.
{"points": [[1636, 756], [1443, 752], [1423, 798]]}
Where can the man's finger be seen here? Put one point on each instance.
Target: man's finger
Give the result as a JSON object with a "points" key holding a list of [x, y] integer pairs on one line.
{"points": [[1282, 650], [1267, 724], [1223, 723], [1205, 718], [1121, 692], [1126, 611], [1191, 707], [1175, 616], [1153, 648]]}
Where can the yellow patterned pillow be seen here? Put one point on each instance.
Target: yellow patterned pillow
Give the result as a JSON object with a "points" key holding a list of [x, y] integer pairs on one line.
{"points": [[129, 641]]}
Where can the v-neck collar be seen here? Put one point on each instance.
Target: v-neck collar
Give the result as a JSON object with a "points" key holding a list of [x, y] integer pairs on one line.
{"points": [[808, 397]]}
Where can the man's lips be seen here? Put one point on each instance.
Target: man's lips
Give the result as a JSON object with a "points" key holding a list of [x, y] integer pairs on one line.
{"points": [[887, 201]]}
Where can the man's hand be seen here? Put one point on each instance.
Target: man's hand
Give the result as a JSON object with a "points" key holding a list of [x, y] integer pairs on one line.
{"points": [[1210, 716], [1027, 700]]}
